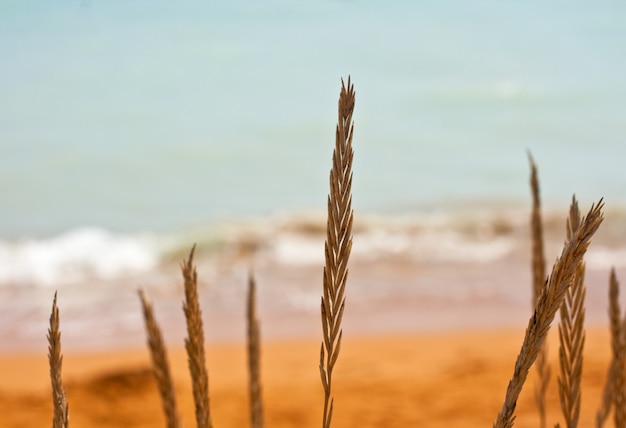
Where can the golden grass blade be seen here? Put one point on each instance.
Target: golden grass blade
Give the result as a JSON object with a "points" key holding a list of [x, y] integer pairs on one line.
{"points": [[160, 365], [59, 401], [572, 335], [618, 345], [548, 303], [338, 245], [194, 344], [607, 397], [538, 257], [539, 280], [614, 377], [254, 357]]}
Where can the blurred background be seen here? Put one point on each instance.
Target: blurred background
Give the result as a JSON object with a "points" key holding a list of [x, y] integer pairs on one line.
{"points": [[131, 130]]}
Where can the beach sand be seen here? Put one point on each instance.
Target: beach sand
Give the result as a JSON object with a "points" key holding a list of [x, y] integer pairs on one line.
{"points": [[428, 380]]}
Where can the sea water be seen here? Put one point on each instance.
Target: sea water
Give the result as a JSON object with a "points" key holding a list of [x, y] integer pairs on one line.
{"points": [[130, 130]]}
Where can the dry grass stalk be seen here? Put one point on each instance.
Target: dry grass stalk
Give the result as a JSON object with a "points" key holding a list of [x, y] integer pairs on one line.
{"points": [[194, 344], [618, 330], [572, 335], [254, 358], [549, 302], [338, 245], [614, 394], [607, 397], [160, 365], [59, 401], [539, 281]]}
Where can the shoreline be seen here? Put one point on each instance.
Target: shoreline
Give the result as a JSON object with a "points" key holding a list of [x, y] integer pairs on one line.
{"points": [[405, 277], [382, 299]]}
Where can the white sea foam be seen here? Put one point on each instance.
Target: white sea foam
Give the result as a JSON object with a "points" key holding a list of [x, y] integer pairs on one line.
{"points": [[294, 249], [432, 246], [74, 256], [420, 245], [453, 247], [297, 240], [604, 258]]}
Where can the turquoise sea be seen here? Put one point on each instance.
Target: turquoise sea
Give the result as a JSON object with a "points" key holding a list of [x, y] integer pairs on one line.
{"points": [[129, 130]]}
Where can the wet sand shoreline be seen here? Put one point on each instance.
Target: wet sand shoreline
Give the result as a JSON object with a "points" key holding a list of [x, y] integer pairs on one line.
{"points": [[381, 299]]}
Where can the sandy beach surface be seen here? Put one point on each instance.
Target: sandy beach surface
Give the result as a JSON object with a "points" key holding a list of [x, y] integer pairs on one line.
{"points": [[427, 380]]}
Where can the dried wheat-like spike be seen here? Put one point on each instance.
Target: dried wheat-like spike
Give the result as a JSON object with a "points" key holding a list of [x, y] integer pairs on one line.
{"points": [[572, 334], [160, 365], [607, 397], [254, 358], [618, 329], [59, 402], [618, 345], [194, 344], [538, 257], [548, 303], [338, 245], [539, 278]]}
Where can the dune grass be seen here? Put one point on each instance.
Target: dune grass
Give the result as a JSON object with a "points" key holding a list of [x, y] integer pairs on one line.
{"points": [[55, 359], [194, 344], [614, 395], [160, 364], [549, 301], [539, 279], [572, 334], [337, 247], [563, 290], [254, 357]]}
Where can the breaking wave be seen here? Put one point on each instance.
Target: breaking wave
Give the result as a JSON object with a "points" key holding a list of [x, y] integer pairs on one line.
{"points": [[89, 253]]}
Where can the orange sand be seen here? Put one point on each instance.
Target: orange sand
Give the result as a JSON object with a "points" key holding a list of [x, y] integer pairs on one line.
{"points": [[452, 379]]}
